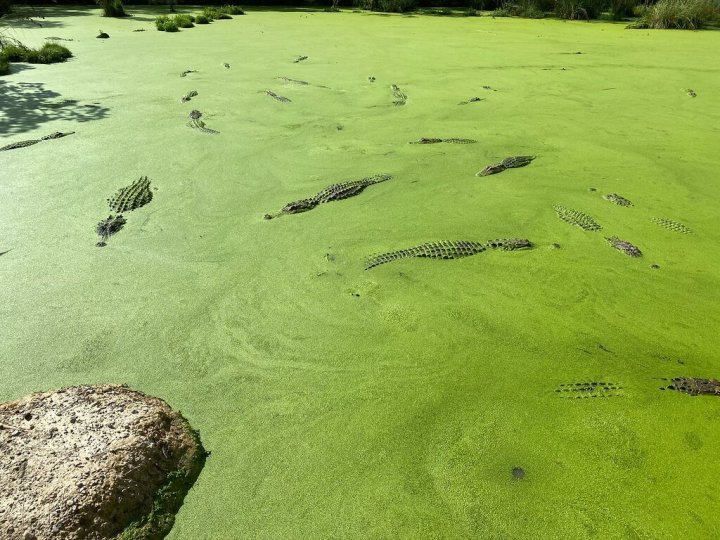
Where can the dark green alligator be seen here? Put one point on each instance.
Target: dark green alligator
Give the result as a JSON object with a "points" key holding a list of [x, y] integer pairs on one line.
{"points": [[334, 192], [134, 196], [447, 249], [426, 140], [23, 144], [507, 163]]}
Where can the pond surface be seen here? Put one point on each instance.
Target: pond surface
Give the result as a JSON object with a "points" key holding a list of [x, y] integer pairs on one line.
{"points": [[421, 398]]}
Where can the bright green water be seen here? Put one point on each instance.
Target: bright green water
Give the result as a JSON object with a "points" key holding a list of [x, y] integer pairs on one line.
{"points": [[398, 413]]}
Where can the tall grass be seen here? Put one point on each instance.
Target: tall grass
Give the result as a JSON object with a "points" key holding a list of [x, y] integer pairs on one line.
{"points": [[50, 53], [390, 6], [683, 14]]}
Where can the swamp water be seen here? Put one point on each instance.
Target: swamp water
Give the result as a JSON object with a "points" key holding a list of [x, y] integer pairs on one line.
{"points": [[401, 401]]}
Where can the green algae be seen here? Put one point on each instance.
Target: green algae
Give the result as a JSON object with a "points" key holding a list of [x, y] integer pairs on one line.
{"points": [[342, 404]]}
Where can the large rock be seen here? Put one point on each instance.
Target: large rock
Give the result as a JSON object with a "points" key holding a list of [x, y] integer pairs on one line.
{"points": [[91, 462]]}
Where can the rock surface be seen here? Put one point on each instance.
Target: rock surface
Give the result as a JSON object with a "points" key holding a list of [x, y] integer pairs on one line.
{"points": [[93, 462]]}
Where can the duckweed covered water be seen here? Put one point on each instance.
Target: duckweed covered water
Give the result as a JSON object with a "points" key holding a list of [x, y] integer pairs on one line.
{"points": [[396, 402]]}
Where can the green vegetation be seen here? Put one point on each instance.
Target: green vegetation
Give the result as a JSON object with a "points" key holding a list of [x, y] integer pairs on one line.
{"points": [[391, 6], [184, 21], [112, 8], [681, 14], [50, 53], [201, 19], [4, 66]]}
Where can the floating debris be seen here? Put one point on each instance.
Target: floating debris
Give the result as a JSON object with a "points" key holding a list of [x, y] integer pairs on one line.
{"points": [[139, 30], [668, 224], [334, 192], [132, 197], [624, 246], [273, 95], [196, 123], [102, 35], [694, 386], [471, 100], [4, 252], [187, 71], [187, 97], [617, 199], [400, 98], [575, 217], [107, 227], [447, 249], [425, 140], [580, 390], [299, 59], [507, 163], [518, 473], [23, 144]]}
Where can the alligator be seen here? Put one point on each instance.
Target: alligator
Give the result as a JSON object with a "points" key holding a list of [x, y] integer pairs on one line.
{"points": [[334, 192], [187, 97], [507, 163], [295, 81], [107, 227], [299, 59], [134, 196], [399, 95], [23, 144], [593, 389], [694, 386], [575, 217], [617, 199], [184, 73], [691, 92], [196, 123], [425, 140], [624, 246], [273, 95], [471, 100], [227, 66], [664, 222], [447, 249]]}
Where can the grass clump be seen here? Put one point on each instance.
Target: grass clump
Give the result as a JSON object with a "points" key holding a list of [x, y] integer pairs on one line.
{"points": [[50, 53], [202, 19], [210, 13], [232, 10], [4, 66], [161, 21], [680, 14], [183, 21]]}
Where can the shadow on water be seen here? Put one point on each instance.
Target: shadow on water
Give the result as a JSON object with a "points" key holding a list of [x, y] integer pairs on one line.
{"points": [[32, 17], [26, 106]]}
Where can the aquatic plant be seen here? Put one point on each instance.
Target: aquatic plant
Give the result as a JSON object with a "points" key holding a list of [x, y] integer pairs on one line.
{"points": [[4, 66], [161, 21], [202, 19], [50, 53], [232, 10], [112, 8], [680, 14], [183, 21]]}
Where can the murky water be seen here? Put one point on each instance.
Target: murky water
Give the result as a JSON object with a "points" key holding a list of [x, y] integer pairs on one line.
{"points": [[396, 402]]}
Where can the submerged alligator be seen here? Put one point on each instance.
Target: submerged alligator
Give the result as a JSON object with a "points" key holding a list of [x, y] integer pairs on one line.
{"points": [[334, 192], [471, 100], [273, 95], [196, 123], [107, 227], [126, 199], [187, 97], [447, 249], [575, 217], [593, 389], [299, 59], [23, 144], [694, 386], [134, 196], [507, 163], [399, 97], [667, 223], [184, 73], [624, 246], [426, 140], [617, 199]]}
